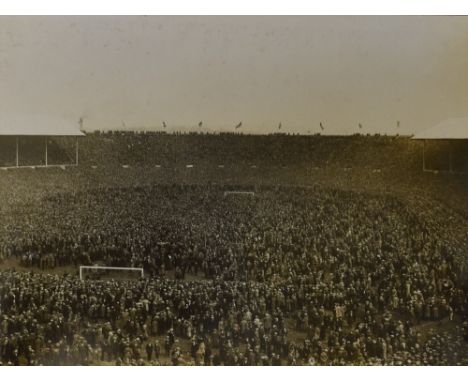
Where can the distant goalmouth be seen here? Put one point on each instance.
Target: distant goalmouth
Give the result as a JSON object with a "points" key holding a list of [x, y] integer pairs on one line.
{"points": [[102, 273], [239, 193]]}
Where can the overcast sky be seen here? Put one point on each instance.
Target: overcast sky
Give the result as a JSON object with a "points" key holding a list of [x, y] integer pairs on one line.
{"points": [[300, 71]]}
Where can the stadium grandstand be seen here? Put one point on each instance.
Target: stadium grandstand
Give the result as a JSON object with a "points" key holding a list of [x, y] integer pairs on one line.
{"points": [[37, 141], [447, 139]]}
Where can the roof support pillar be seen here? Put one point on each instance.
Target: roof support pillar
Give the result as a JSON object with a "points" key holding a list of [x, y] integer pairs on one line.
{"points": [[424, 155], [46, 154], [76, 151], [17, 152], [450, 157]]}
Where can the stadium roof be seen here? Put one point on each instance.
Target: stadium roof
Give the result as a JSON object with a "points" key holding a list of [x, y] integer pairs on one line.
{"points": [[454, 128], [37, 125]]}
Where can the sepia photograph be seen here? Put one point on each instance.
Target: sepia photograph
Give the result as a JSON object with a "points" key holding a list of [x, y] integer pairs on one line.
{"points": [[209, 190]]}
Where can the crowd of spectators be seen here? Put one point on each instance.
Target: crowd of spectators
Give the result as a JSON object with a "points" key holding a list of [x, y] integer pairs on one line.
{"points": [[152, 148], [288, 276]]}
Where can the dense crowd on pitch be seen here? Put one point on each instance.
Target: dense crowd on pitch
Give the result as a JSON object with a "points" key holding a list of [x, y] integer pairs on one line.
{"points": [[289, 276]]}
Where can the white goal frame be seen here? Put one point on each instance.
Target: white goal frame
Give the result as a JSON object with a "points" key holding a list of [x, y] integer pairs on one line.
{"points": [[248, 193], [97, 267]]}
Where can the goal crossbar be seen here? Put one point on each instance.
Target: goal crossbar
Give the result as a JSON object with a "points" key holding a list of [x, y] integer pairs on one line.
{"points": [[98, 267]]}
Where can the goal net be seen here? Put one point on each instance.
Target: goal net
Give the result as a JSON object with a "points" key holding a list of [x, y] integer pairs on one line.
{"points": [[97, 273]]}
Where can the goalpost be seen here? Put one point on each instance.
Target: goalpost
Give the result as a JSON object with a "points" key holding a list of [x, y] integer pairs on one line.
{"points": [[98, 270]]}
